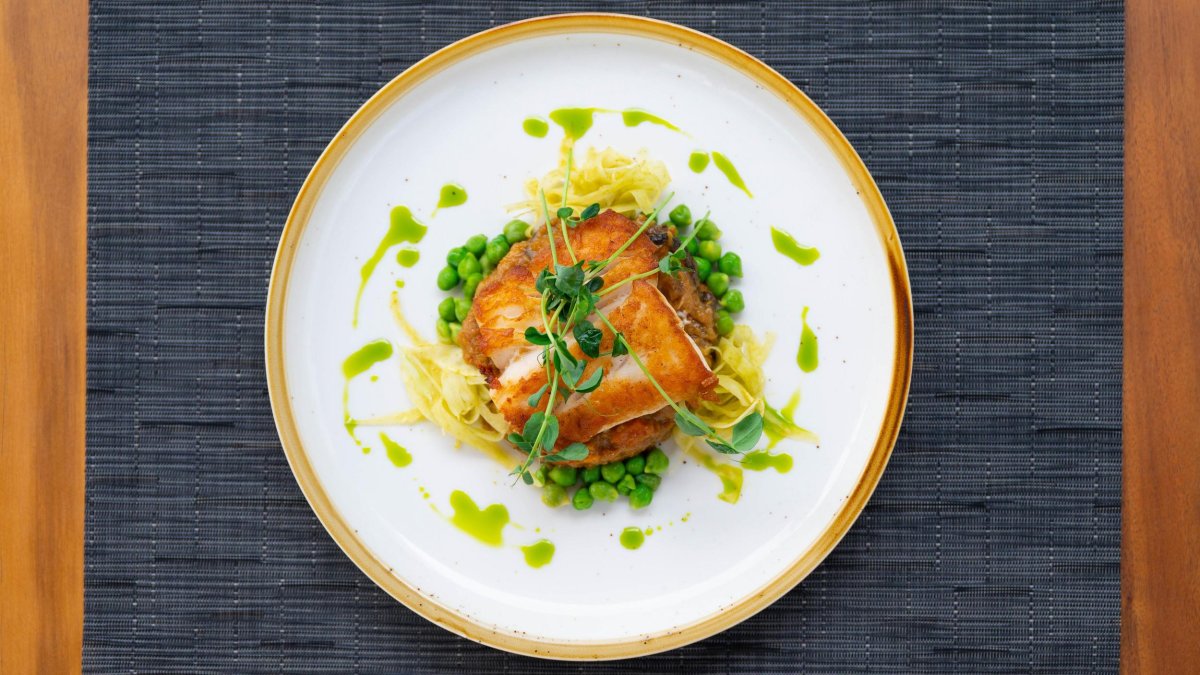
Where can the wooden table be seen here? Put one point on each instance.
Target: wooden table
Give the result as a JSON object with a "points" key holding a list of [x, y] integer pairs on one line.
{"points": [[43, 169]]}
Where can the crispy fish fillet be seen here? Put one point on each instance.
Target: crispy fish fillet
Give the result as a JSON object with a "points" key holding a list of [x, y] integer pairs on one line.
{"points": [[625, 414], [506, 302]]}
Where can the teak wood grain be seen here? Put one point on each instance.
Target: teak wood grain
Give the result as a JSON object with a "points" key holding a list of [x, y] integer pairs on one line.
{"points": [[1160, 565], [43, 206]]}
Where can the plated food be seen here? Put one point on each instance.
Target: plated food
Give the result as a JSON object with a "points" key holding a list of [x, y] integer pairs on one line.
{"points": [[501, 361]]}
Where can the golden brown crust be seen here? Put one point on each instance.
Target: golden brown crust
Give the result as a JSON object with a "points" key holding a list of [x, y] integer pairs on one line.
{"points": [[626, 414]]}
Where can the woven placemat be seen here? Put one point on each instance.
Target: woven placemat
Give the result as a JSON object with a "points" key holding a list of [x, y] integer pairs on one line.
{"points": [[992, 544]]}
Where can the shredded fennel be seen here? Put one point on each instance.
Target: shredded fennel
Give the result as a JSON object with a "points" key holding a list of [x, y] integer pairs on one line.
{"points": [[627, 185], [739, 391], [447, 391]]}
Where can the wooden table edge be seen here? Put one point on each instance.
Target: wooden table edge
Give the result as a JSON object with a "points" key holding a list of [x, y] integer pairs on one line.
{"points": [[43, 243], [1160, 544]]}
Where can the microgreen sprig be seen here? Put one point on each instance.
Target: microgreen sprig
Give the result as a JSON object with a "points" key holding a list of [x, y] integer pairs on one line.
{"points": [[569, 298]]}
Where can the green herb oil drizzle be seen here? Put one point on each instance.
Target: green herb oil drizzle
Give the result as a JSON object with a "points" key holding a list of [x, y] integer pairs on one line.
{"points": [[761, 460], [731, 475], [452, 194], [539, 554], [806, 355], [786, 244], [633, 117], [356, 364], [632, 538], [485, 525], [722, 162], [779, 424], [403, 227], [407, 257], [575, 122], [397, 453], [698, 161], [535, 126]]}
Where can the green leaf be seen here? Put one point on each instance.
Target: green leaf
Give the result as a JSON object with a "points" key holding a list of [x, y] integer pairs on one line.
{"points": [[537, 337], [572, 373], [590, 212], [572, 453], [747, 432], [525, 476], [588, 337], [689, 424], [544, 280], [532, 425], [551, 435], [568, 280], [595, 284], [537, 397], [620, 347], [565, 212], [722, 447], [582, 308], [519, 441], [591, 382]]}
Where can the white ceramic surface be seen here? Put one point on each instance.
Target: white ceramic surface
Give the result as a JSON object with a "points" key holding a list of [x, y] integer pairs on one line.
{"points": [[464, 125]]}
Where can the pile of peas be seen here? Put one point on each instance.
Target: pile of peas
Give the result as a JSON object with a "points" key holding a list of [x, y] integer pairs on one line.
{"points": [[468, 265], [636, 478], [715, 268]]}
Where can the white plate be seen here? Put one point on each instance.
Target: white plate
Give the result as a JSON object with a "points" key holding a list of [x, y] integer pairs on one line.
{"points": [[457, 116]]}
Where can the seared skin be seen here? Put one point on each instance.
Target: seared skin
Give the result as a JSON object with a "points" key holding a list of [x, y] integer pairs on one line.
{"points": [[626, 414], [506, 302]]}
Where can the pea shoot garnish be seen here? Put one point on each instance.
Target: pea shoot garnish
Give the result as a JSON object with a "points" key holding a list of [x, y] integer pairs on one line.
{"points": [[569, 297]]}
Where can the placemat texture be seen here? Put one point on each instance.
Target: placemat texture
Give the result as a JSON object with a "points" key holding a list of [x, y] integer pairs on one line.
{"points": [[992, 544]]}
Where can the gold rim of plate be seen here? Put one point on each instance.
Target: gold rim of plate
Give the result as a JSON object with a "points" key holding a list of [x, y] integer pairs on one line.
{"points": [[337, 526]]}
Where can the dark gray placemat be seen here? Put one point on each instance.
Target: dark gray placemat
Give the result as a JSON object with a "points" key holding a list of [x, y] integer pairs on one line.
{"points": [[994, 131]]}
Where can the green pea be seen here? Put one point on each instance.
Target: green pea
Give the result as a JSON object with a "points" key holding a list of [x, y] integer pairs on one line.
{"points": [[443, 330], [710, 251], [635, 465], [468, 265], [613, 472], [692, 247], [539, 476], [649, 480], [486, 265], [471, 284], [626, 485], [461, 307], [583, 499], [731, 264], [516, 230], [681, 216], [476, 245], [455, 256], [553, 495], [703, 268], [718, 283], [564, 475], [733, 301], [497, 249], [591, 474], [641, 497], [724, 323], [446, 309], [707, 230], [603, 491], [447, 278], [455, 328], [656, 461]]}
